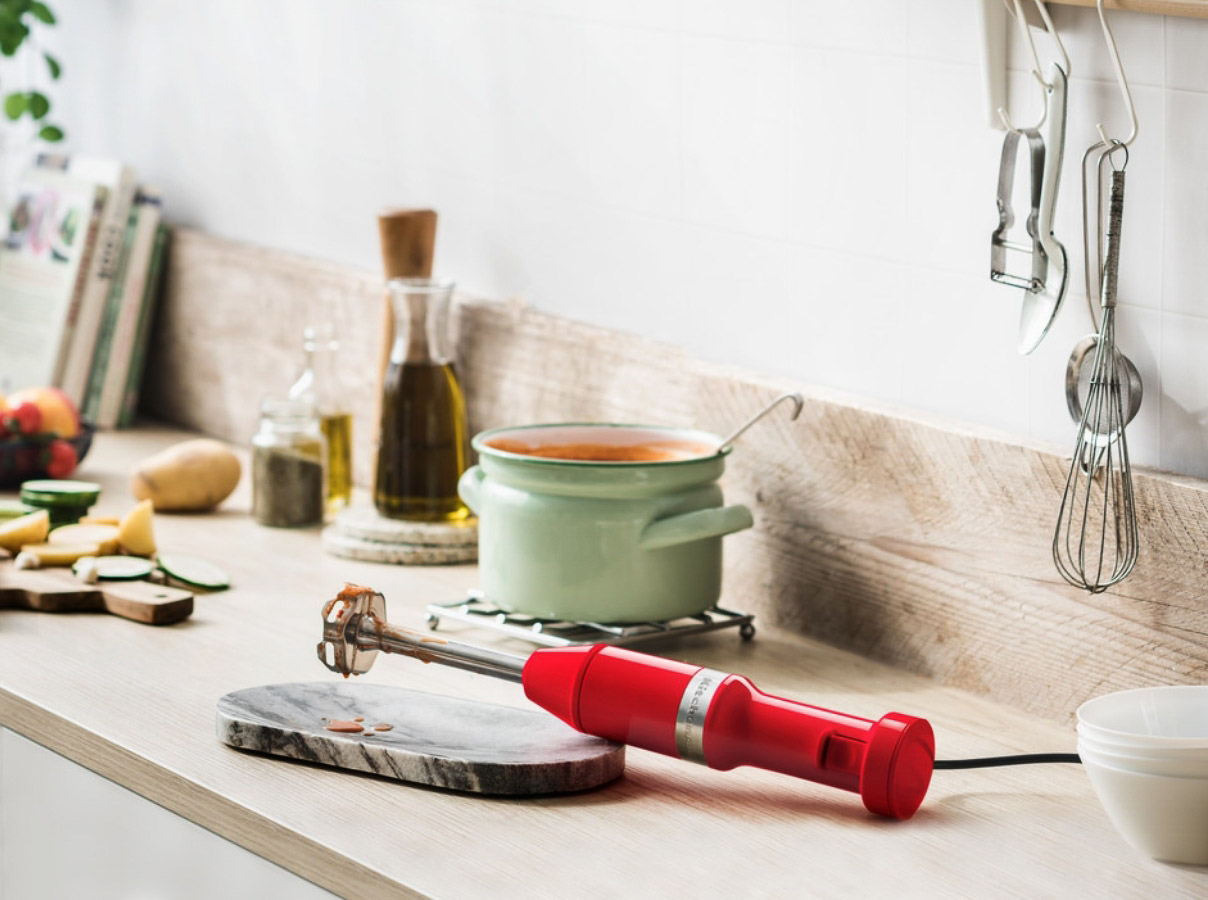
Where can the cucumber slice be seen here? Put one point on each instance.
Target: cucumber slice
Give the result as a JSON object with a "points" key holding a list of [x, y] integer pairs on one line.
{"points": [[119, 568], [194, 572], [50, 492], [12, 509]]}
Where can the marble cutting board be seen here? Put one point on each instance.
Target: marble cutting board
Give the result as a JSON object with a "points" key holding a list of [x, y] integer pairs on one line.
{"points": [[444, 742]]}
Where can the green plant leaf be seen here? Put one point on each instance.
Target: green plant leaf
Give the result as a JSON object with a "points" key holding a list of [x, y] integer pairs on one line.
{"points": [[51, 133], [42, 13], [12, 36], [39, 104], [15, 105], [53, 65]]}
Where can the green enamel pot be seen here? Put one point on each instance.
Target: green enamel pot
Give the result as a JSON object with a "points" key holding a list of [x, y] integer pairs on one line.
{"points": [[565, 534]]}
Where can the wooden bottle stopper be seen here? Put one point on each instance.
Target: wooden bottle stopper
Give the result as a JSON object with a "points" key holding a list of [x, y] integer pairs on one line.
{"points": [[408, 239]]}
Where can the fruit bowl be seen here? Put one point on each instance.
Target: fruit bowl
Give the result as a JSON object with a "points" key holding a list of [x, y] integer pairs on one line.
{"points": [[23, 457]]}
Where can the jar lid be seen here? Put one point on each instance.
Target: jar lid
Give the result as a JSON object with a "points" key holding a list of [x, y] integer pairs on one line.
{"points": [[287, 408]]}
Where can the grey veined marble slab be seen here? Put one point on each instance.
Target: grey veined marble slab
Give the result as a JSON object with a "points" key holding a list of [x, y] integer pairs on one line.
{"points": [[445, 742]]}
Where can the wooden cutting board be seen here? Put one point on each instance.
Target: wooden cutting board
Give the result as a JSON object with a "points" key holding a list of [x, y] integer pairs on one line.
{"points": [[429, 739], [58, 590]]}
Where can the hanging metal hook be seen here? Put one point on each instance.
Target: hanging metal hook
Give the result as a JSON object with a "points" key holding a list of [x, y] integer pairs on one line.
{"points": [[1125, 93], [1017, 12], [1064, 62]]}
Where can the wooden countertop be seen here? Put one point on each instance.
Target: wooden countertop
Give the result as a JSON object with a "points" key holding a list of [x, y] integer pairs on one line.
{"points": [[136, 704]]}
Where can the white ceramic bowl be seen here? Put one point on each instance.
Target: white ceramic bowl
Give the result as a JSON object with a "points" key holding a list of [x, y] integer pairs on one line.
{"points": [[1163, 816], [1183, 764], [1160, 718], [1143, 751]]}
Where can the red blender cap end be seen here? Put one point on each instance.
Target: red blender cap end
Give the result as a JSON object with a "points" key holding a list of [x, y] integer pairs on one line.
{"points": [[897, 765], [552, 678]]}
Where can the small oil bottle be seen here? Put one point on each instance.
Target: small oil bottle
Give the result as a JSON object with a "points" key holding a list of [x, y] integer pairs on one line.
{"points": [[320, 383], [423, 444]]}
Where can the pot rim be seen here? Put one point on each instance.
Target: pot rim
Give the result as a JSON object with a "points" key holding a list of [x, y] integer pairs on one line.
{"points": [[479, 443]]}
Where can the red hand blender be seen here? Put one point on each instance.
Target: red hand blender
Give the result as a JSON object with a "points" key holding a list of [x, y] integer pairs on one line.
{"points": [[674, 708]]}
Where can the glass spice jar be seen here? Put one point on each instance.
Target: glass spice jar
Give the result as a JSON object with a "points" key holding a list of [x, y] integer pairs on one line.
{"points": [[288, 477]]}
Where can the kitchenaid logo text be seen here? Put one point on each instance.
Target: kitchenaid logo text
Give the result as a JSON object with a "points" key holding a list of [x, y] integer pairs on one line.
{"points": [[694, 706]]}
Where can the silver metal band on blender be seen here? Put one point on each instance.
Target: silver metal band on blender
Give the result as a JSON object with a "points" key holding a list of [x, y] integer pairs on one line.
{"points": [[690, 718]]}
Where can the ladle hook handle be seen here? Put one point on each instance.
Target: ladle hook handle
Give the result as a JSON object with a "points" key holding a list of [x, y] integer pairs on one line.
{"points": [[728, 441]]}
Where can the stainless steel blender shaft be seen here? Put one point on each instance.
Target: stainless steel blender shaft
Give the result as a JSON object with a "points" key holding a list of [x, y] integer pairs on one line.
{"points": [[355, 629]]}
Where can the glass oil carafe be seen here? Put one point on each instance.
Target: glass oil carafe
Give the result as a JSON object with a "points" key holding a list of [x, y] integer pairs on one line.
{"points": [[423, 445], [321, 384]]}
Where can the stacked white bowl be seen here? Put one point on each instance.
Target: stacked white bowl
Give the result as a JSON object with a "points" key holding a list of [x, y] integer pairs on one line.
{"points": [[1146, 753]]}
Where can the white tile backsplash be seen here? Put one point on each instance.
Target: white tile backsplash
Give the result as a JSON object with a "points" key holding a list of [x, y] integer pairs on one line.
{"points": [[753, 20], [1186, 61], [849, 324], [593, 112], [851, 121], [802, 187], [760, 292], [738, 142], [944, 31], [950, 168], [1183, 395], [959, 336], [1184, 204], [870, 27]]}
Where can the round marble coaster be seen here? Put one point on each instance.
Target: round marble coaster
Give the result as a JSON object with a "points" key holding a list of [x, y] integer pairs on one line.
{"points": [[338, 544], [368, 524], [446, 742]]}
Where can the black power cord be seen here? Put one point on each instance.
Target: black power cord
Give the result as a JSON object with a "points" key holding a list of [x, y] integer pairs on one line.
{"points": [[1022, 759]]}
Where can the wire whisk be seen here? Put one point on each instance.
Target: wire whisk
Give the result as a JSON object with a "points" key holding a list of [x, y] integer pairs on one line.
{"points": [[1095, 542]]}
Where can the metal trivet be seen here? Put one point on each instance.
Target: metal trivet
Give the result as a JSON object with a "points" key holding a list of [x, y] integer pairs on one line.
{"points": [[554, 633]]}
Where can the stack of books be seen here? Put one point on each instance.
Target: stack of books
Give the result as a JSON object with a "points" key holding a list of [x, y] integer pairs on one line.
{"points": [[80, 273]]}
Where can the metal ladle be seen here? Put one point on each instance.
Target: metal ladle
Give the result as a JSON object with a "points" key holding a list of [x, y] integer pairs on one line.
{"points": [[1095, 164], [728, 441], [1078, 372]]}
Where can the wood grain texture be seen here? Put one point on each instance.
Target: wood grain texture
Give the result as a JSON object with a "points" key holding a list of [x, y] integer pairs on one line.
{"points": [[137, 705], [229, 332], [1193, 9], [56, 590], [908, 539]]}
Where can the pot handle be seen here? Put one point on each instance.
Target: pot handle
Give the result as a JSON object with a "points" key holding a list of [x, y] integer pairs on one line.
{"points": [[470, 485], [695, 526]]}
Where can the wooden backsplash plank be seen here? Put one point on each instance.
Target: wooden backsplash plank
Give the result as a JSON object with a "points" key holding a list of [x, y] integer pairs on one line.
{"points": [[1192, 9], [906, 538]]}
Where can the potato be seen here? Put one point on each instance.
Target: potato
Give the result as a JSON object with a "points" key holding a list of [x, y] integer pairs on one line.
{"points": [[28, 529], [192, 476], [135, 534], [104, 536], [100, 520], [58, 554]]}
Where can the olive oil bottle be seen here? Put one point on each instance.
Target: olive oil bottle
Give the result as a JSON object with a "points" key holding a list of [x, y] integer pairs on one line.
{"points": [[423, 446], [336, 426], [320, 383]]}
